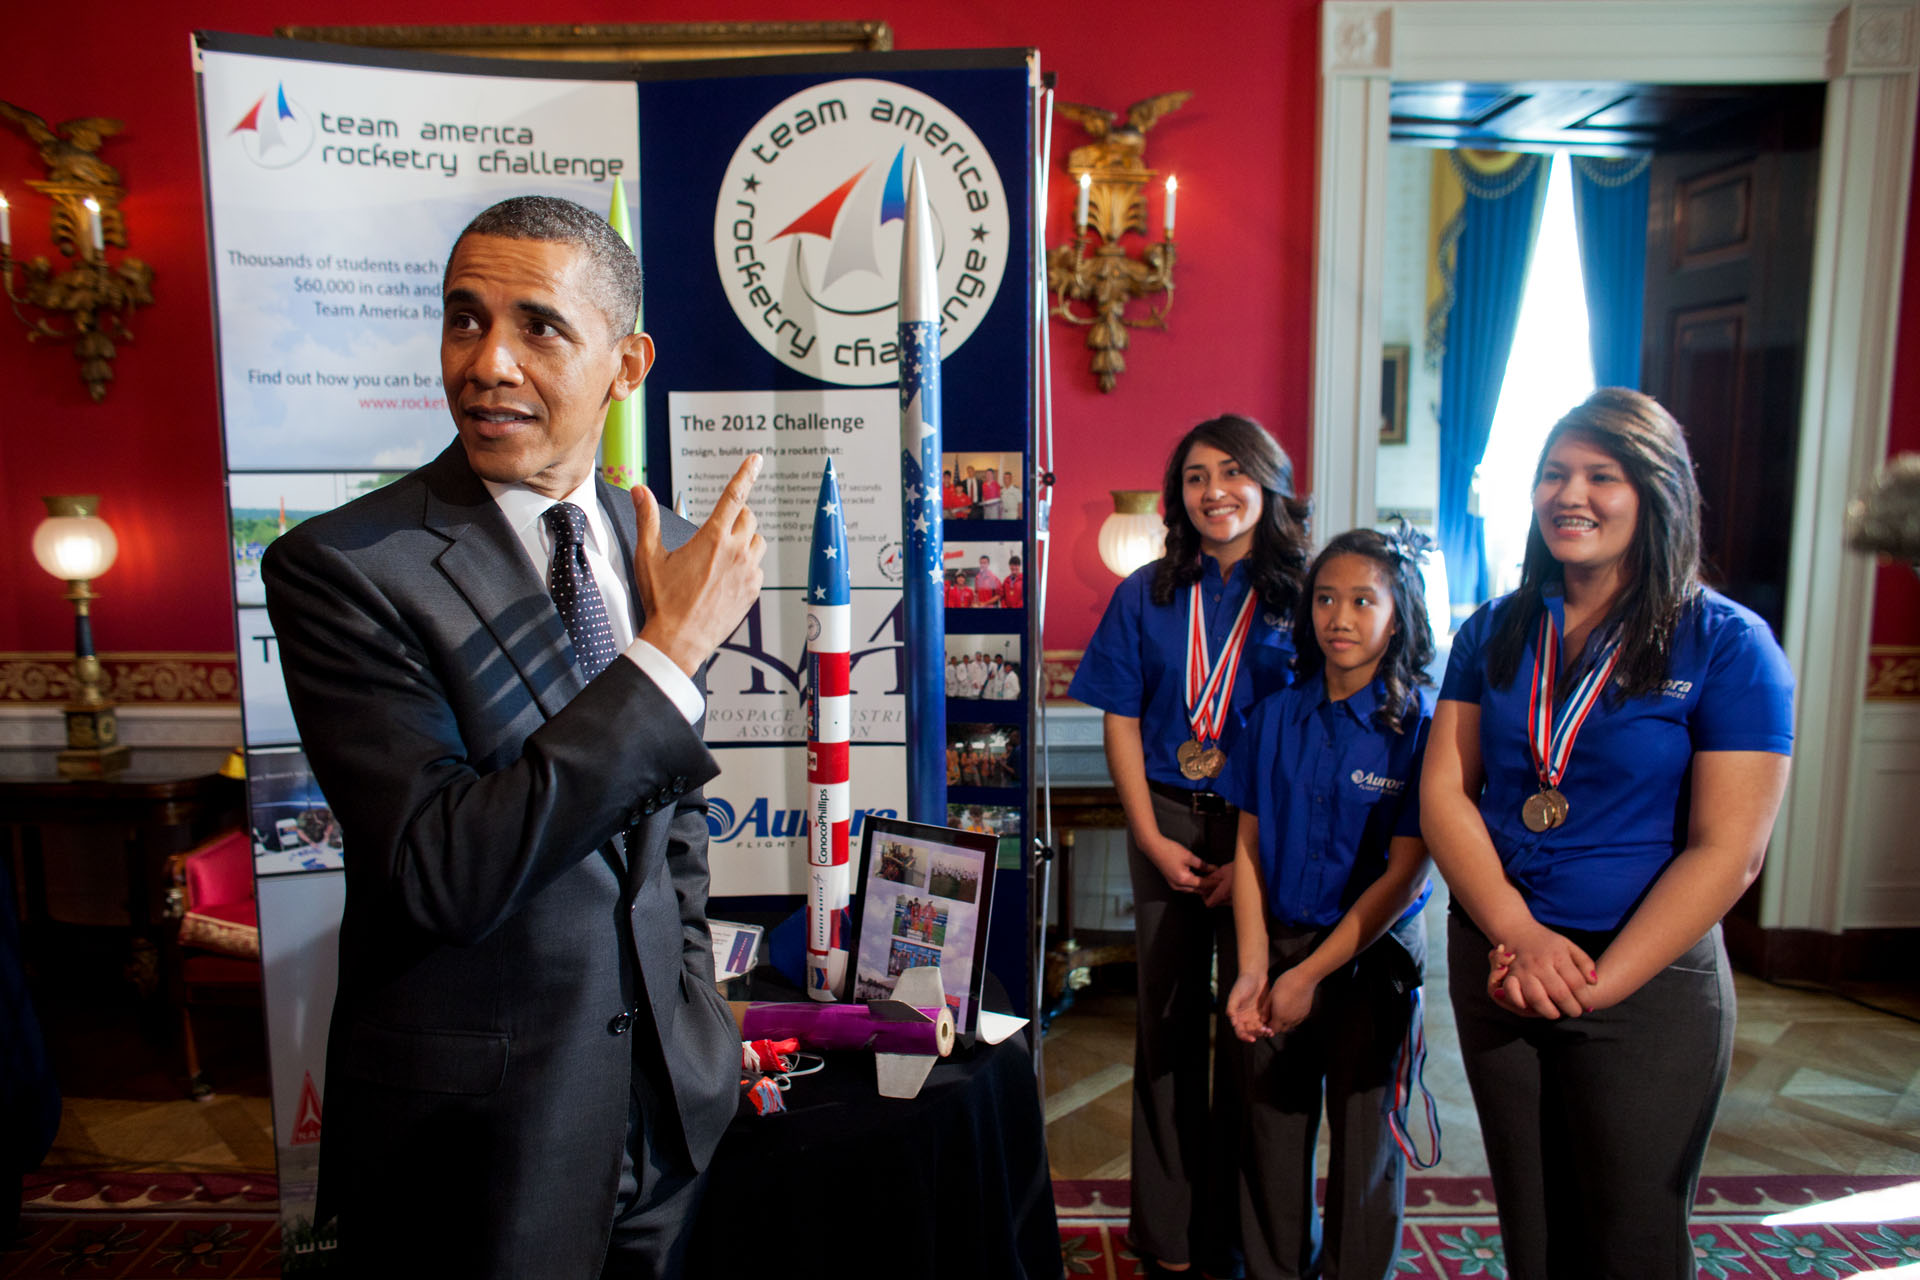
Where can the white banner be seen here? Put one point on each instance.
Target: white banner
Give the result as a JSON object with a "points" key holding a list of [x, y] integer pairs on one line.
{"points": [[334, 192]]}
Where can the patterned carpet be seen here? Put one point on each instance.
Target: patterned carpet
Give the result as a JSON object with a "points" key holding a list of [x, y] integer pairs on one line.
{"points": [[1452, 1231], [150, 1227]]}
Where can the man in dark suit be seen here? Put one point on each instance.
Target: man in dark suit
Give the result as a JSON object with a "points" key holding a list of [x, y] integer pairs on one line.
{"points": [[529, 1065]]}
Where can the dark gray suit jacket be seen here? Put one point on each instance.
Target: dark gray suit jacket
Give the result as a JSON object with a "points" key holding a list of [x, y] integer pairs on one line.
{"points": [[524, 948]]}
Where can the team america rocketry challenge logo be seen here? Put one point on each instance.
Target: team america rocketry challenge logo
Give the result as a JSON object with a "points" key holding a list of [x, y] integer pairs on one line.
{"points": [[807, 226], [276, 131]]}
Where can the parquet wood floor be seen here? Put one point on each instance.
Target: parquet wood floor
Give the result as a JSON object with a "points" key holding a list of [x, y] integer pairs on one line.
{"points": [[1819, 1083]]}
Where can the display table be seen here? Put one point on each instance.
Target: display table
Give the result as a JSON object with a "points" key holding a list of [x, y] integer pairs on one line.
{"points": [[845, 1183], [164, 803]]}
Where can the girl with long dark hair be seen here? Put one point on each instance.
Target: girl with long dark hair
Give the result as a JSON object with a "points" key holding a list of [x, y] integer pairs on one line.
{"points": [[1330, 874], [1186, 646], [1608, 752]]}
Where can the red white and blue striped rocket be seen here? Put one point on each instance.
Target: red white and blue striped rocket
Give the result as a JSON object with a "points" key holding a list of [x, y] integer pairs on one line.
{"points": [[923, 602], [829, 705]]}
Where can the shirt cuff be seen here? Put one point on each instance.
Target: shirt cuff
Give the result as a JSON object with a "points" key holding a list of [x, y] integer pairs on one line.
{"points": [[673, 682]]}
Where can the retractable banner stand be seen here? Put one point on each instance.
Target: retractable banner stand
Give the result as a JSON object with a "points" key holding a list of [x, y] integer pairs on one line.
{"points": [[763, 194]]}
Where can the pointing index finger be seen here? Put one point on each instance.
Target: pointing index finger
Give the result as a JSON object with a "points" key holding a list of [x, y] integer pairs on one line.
{"points": [[733, 499]]}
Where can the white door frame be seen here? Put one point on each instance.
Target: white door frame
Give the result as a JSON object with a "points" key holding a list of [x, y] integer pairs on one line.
{"points": [[1867, 55]]}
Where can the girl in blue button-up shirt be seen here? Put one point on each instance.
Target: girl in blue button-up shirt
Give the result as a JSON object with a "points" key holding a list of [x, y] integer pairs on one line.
{"points": [[1588, 977], [1330, 874], [1234, 529]]}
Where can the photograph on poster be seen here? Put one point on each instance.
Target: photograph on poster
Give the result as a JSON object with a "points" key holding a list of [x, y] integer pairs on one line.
{"points": [[902, 863], [920, 920], [1002, 820], [940, 918], [983, 667], [981, 755], [293, 826], [981, 486], [985, 575], [262, 505]]}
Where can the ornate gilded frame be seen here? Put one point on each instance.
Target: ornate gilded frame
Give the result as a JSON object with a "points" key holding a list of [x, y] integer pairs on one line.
{"points": [[619, 42]]}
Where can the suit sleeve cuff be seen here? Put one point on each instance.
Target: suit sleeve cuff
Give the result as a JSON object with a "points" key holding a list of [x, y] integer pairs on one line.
{"points": [[673, 682]]}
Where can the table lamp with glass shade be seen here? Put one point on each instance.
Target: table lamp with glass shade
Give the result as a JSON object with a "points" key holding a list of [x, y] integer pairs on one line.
{"points": [[76, 546], [1134, 534]]}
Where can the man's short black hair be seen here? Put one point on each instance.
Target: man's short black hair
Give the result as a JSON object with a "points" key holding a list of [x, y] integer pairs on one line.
{"points": [[615, 271]]}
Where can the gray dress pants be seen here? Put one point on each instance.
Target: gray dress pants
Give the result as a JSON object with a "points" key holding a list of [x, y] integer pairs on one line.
{"points": [[1186, 1118], [1595, 1126], [1343, 1055]]}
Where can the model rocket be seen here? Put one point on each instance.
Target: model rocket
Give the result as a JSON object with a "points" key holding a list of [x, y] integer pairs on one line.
{"points": [[829, 729], [924, 600]]}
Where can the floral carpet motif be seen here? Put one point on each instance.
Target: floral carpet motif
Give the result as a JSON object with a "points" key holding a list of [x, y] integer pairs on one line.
{"points": [[166, 1226], [1452, 1230]]}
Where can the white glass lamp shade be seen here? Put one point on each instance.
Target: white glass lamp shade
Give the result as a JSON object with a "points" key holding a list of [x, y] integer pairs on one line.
{"points": [[72, 543], [1134, 534]]}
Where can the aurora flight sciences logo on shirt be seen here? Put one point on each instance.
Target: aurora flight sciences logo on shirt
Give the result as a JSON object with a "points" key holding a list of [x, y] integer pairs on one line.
{"points": [[808, 222], [1367, 780]]}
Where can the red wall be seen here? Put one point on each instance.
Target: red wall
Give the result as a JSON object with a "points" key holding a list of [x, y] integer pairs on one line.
{"points": [[1241, 335]]}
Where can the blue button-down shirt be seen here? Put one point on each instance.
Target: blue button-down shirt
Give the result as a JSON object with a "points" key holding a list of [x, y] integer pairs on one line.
{"points": [[1136, 663], [1728, 689], [1331, 789]]}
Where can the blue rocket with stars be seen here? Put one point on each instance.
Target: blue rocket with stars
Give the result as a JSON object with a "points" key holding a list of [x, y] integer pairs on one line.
{"points": [[923, 603]]}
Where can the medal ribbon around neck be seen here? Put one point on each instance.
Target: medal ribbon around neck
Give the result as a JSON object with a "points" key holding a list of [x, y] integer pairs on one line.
{"points": [[1210, 682], [1551, 735]]}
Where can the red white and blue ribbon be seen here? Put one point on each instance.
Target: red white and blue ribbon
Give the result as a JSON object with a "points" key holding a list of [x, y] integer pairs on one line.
{"points": [[1550, 734], [1409, 1078], [1210, 680], [829, 699]]}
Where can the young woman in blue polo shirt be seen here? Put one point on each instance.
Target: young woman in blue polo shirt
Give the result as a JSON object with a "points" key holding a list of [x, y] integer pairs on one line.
{"points": [[1186, 645], [1608, 753], [1330, 874]]}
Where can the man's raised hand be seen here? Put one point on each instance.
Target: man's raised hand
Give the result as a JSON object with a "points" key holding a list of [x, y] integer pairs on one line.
{"points": [[696, 594]]}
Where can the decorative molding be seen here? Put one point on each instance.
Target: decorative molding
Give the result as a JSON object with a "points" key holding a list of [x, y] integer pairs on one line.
{"points": [[1056, 671], [131, 679], [1893, 672], [1359, 39], [34, 727], [1866, 161], [1876, 39]]}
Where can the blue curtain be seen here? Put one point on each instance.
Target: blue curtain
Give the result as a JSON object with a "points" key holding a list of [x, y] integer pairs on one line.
{"points": [[1497, 225], [1610, 218]]}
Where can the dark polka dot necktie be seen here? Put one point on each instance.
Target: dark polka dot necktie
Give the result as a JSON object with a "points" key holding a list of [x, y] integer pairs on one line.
{"points": [[575, 593]]}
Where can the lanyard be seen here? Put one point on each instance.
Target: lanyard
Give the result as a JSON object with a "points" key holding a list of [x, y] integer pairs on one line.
{"points": [[1210, 679], [1551, 735]]}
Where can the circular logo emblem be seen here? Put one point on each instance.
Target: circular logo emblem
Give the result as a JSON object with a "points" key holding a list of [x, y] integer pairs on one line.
{"points": [[808, 221], [889, 561], [276, 131], [813, 626]]}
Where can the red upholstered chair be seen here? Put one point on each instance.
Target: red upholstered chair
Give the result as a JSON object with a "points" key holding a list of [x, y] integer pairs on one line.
{"points": [[218, 952]]}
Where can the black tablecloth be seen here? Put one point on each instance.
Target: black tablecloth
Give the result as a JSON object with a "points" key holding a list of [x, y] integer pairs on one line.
{"points": [[847, 1183]]}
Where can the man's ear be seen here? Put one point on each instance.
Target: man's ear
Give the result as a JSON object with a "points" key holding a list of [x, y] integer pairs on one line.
{"points": [[636, 358]]}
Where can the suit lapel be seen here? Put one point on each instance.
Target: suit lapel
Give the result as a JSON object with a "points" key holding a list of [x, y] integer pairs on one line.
{"points": [[486, 564]]}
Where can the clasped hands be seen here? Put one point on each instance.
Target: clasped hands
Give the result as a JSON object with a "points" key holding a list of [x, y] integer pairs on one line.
{"points": [[696, 594], [1543, 974], [1257, 1009], [1187, 872]]}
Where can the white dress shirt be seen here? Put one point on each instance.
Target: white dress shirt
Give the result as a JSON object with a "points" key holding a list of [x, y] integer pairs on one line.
{"points": [[525, 509]]}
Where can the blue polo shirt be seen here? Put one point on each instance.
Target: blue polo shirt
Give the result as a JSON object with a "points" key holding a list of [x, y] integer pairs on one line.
{"points": [[1136, 663], [1728, 689], [1331, 789]]}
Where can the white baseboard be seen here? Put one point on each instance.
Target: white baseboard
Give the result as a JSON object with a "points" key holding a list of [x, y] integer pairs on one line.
{"points": [[149, 726]]}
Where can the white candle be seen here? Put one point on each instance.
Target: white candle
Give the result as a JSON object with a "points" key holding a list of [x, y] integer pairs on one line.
{"points": [[99, 230], [1080, 205], [1173, 192], [6, 223]]}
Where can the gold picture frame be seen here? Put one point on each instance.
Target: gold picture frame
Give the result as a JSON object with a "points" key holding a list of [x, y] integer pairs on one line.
{"points": [[1393, 393], [631, 43]]}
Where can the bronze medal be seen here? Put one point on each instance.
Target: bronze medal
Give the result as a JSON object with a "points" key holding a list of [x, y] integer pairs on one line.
{"points": [[1211, 763], [1189, 757], [1544, 810]]}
